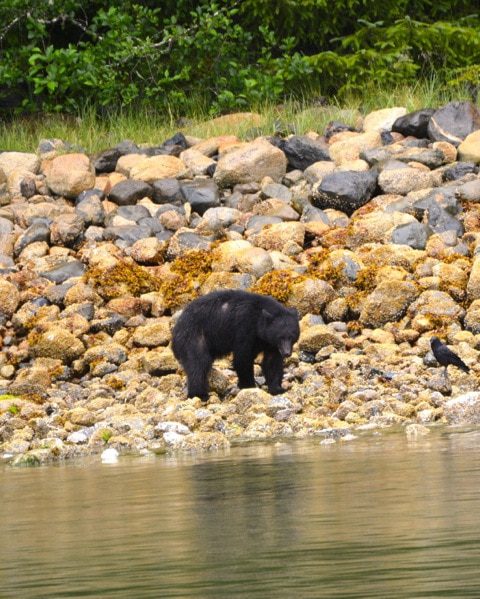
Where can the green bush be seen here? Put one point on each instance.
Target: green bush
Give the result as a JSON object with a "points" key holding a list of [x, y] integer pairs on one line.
{"points": [[63, 55]]}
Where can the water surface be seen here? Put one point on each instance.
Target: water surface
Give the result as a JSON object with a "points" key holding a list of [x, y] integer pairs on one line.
{"points": [[378, 516]]}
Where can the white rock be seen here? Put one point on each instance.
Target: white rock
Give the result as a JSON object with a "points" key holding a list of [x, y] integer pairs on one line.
{"points": [[110, 456]]}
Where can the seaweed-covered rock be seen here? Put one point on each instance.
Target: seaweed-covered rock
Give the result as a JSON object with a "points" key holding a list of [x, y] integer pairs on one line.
{"points": [[388, 302]]}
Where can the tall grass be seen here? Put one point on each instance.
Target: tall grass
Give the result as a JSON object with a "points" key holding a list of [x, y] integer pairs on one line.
{"points": [[92, 132]]}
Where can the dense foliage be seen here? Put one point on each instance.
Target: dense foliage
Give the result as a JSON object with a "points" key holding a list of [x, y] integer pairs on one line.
{"points": [[60, 55]]}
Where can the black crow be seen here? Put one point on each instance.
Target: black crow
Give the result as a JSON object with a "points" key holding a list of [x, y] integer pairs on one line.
{"points": [[445, 356]]}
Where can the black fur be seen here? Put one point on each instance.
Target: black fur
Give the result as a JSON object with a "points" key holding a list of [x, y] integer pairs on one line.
{"points": [[235, 321], [446, 356]]}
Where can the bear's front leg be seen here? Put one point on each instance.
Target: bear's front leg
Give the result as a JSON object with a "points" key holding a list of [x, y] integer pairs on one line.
{"points": [[243, 365], [272, 368]]}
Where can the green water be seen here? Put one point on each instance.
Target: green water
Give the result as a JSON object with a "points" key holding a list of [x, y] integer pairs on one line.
{"points": [[378, 516]]}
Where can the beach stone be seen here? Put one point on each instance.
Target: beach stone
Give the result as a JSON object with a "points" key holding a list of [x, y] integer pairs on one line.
{"points": [[346, 190], [469, 149], [129, 192], [276, 208], [431, 307], [414, 234], [67, 230], [226, 255], [9, 300], [431, 157], [403, 179], [154, 333], [351, 145], [388, 302], [439, 219], [22, 161], [62, 272], [57, 343], [201, 195], [458, 170], [127, 233], [454, 122], [70, 174], [302, 151], [167, 191], [316, 171], [148, 251], [463, 409], [277, 191], [255, 261], [213, 145], [91, 211], [39, 231], [157, 167], [251, 162], [314, 338], [227, 280], [278, 235], [196, 162], [309, 296], [383, 120], [469, 191], [221, 217], [473, 285], [126, 162], [414, 123], [472, 318]]}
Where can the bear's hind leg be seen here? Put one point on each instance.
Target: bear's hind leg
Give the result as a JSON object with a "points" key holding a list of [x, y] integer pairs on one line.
{"points": [[272, 368], [197, 371], [243, 365]]}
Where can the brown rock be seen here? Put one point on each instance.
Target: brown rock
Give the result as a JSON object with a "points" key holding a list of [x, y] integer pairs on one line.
{"points": [[388, 303], [70, 174], [157, 167]]}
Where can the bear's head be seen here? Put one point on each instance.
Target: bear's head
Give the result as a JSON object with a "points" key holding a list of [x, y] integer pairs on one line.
{"points": [[280, 330]]}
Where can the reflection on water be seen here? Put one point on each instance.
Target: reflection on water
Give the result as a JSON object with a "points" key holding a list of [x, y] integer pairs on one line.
{"points": [[376, 517]]}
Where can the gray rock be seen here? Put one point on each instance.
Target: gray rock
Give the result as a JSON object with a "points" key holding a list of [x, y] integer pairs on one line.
{"points": [[312, 214], [128, 233], [454, 122], [56, 293], [109, 325], [201, 195], [65, 271], [257, 222], [345, 190], [67, 230], [133, 213], [376, 156], [302, 151], [85, 309], [91, 210], [469, 191], [129, 192], [413, 234], [463, 409], [458, 170], [167, 191], [414, 123], [154, 224], [277, 190], [6, 226], [438, 218], [106, 161], [38, 231], [433, 158]]}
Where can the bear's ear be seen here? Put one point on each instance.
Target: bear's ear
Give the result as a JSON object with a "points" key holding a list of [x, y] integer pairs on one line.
{"points": [[267, 315]]}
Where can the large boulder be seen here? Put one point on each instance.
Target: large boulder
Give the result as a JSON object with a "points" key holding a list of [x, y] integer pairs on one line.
{"points": [[129, 192], [454, 122], [302, 151], [156, 167], [388, 302], [14, 161], [414, 123], [251, 162], [345, 190], [70, 174], [469, 149], [463, 409], [383, 120], [201, 195], [9, 299]]}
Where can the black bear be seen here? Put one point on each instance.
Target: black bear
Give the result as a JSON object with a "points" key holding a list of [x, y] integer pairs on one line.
{"points": [[235, 321]]}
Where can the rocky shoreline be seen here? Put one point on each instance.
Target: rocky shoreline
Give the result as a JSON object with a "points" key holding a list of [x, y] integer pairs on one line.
{"points": [[371, 232]]}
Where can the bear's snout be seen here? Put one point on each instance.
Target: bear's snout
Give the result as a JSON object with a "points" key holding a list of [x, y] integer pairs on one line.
{"points": [[285, 348]]}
